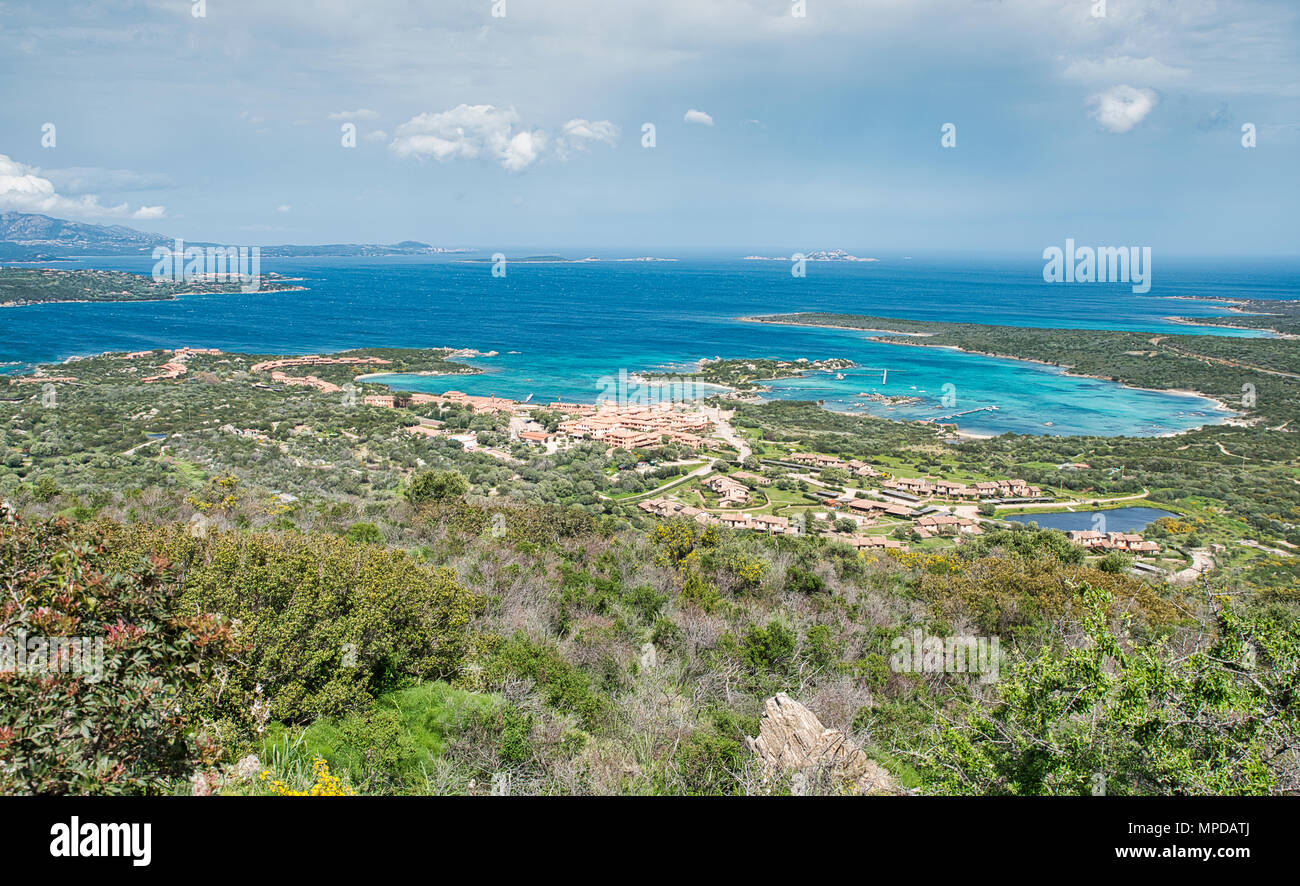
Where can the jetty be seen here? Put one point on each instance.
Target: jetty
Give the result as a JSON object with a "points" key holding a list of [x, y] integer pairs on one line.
{"points": [[960, 414]]}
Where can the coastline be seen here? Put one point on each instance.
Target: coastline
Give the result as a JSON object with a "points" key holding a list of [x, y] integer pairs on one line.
{"points": [[1235, 416], [1265, 331], [121, 301], [834, 326]]}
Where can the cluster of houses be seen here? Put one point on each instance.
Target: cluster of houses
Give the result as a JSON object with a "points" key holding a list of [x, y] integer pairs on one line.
{"points": [[1130, 542], [825, 462], [175, 367], [770, 523], [917, 488], [636, 427], [923, 487], [626, 427], [872, 507], [451, 398], [279, 376]]}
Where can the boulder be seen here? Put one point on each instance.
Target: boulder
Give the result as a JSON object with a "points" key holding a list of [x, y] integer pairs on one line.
{"points": [[791, 738]]}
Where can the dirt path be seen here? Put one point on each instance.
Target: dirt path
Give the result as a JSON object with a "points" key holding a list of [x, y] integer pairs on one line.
{"points": [[728, 433], [1202, 563], [1224, 361]]}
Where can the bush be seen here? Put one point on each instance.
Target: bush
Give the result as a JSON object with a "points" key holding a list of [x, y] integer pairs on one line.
{"points": [[366, 533], [436, 486], [709, 760], [562, 684], [390, 747], [329, 626], [804, 581], [117, 725], [1149, 721]]}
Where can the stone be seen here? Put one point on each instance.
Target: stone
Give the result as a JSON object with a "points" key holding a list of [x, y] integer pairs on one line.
{"points": [[790, 737]]}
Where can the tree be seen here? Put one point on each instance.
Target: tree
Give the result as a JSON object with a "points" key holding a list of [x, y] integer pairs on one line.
{"points": [[1099, 718], [437, 486]]}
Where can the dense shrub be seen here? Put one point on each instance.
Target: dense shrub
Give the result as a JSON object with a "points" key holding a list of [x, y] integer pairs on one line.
{"points": [[437, 486], [329, 625], [85, 727]]}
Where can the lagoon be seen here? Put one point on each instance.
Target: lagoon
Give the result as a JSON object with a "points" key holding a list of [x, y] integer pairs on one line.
{"points": [[559, 329]]}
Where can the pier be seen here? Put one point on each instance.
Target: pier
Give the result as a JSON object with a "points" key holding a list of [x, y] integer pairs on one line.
{"points": [[937, 419]]}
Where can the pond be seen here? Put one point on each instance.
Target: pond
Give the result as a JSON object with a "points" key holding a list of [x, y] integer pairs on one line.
{"points": [[1116, 520]]}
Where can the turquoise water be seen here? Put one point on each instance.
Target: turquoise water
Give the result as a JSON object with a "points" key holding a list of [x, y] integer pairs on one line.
{"points": [[1116, 520], [559, 330]]}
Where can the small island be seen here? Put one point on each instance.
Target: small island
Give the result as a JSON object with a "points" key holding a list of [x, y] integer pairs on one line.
{"points": [[34, 286], [816, 255], [745, 374]]}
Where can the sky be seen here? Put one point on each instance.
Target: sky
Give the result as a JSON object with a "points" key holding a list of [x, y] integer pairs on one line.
{"points": [[501, 124]]}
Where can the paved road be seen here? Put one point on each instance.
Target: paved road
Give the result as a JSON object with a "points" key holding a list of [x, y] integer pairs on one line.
{"points": [[1057, 505]]}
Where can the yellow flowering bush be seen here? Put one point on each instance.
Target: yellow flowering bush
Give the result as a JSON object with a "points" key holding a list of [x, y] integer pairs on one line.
{"points": [[324, 783], [934, 563]]}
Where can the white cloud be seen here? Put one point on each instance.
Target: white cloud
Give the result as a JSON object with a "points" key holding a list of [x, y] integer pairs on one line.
{"points": [[579, 132], [377, 136], [284, 207], [1120, 108], [579, 135], [25, 189], [694, 116], [472, 132], [358, 114]]}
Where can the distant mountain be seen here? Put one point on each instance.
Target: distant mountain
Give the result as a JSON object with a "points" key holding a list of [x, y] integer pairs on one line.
{"points": [[24, 233], [26, 236]]}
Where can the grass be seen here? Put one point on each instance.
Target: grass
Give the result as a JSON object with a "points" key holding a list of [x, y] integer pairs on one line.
{"points": [[392, 748]]}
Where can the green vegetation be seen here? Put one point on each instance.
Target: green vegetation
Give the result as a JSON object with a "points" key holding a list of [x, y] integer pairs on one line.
{"points": [[304, 579], [24, 286], [745, 375], [1256, 313]]}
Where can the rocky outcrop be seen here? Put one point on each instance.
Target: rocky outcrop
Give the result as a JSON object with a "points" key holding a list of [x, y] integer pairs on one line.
{"points": [[792, 740]]}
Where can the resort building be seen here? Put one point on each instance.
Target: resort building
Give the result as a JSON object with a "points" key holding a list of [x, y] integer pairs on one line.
{"points": [[769, 523], [637, 427], [732, 491], [937, 524], [1130, 542], [818, 461], [874, 542]]}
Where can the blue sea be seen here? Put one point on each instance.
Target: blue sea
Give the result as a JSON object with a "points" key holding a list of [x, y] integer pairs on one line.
{"points": [[561, 330]]}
